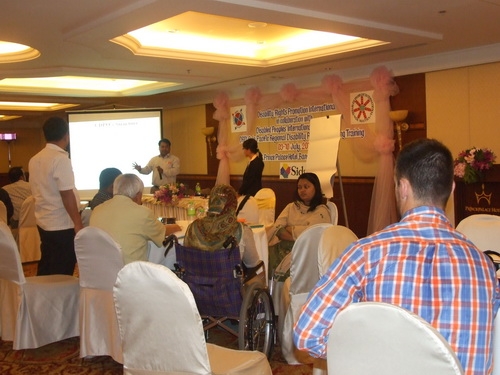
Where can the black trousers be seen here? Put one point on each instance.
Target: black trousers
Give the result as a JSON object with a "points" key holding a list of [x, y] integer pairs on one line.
{"points": [[58, 252]]}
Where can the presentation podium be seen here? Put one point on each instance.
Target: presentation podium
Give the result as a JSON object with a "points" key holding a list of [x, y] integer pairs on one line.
{"points": [[481, 197]]}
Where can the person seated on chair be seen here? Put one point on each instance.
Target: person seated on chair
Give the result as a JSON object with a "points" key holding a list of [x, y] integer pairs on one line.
{"points": [[211, 232], [128, 222], [106, 179], [19, 189], [421, 264], [307, 209]]}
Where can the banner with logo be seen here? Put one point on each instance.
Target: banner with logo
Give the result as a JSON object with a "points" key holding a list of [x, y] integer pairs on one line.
{"points": [[362, 108], [291, 171], [238, 119]]}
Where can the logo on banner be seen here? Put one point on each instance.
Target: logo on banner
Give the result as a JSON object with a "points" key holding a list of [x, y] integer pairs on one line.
{"points": [[362, 108], [239, 119], [291, 171]]}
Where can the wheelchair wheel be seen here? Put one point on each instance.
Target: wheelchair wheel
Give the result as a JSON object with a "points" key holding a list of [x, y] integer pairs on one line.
{"points": [[257, 323]]}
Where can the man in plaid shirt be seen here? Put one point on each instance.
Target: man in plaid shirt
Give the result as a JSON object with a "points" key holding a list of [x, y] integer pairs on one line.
{"points": [[420, 263]]}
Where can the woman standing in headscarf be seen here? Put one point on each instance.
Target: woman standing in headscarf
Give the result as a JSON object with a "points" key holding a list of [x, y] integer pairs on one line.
{"points": [[210, 232], [252, 178]]}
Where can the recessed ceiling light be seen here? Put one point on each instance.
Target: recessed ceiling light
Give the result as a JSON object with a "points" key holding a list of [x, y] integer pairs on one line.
{"points": [[15, 52], [257, 25]]}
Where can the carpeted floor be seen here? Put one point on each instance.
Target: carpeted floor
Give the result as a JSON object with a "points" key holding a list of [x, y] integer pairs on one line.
{"points": [[62, 358]]}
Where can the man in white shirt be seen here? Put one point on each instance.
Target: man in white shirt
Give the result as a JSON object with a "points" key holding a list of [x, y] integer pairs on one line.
{"points": [[129, 223], [165, 167], [19, 189], [56, 200]]}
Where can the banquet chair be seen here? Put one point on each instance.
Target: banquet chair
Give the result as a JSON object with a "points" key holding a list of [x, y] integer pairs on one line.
{"points": [[332, 243], [266, 200], [99, 260], [249, 213], [483, 230], [334, 212], [378, 338], [304, 275], [3, 212], [37, 310], [162, 337], [28, 236]]}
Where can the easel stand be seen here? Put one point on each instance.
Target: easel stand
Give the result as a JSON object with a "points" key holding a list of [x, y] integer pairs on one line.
{"points": [[342, 196]]}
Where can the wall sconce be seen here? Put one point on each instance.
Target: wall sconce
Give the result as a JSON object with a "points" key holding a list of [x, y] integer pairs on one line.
{"points": [[399, 117], [8, 137], [210, 138]]}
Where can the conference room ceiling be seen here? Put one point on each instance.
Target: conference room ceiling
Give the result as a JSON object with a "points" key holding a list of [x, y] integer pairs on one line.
{"points": [[89, 39]]}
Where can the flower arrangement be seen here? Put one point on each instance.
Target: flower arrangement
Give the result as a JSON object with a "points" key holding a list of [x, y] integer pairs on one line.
{"points": [[471, 163], [170, 193]]}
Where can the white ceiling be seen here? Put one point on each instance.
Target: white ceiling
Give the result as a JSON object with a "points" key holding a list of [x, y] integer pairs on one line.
{"points": [[74, 38]]}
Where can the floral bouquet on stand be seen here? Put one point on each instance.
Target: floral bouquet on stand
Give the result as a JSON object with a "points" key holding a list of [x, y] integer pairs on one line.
{"points": [[170, 193], [471, 164]]}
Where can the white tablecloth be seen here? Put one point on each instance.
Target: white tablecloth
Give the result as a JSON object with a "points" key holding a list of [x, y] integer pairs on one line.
{"points": [[178, 211], [156, 254]]}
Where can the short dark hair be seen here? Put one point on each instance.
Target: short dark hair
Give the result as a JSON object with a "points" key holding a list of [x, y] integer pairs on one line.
{"points": [[428, 166], [107, 177], [55, 128], [318, 194], [164, 140], [15, 174]]}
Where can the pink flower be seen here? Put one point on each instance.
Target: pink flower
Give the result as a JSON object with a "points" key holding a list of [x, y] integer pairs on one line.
{"points": [[471, 163], [459, 170]]}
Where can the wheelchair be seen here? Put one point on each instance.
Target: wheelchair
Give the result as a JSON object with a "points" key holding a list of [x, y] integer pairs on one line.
{"points": [[225, 291]]}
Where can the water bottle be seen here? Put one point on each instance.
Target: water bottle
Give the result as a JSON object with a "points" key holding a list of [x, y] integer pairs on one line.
{"points": [[191, 212], [197, 189]]}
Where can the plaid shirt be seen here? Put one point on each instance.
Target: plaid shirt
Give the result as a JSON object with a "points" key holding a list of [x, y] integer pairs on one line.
{"points": [[423, 265]]}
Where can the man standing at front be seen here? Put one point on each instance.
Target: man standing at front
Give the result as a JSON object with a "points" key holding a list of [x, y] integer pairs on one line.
{"points": [[420, 263], [165, 167], [56, 200]]}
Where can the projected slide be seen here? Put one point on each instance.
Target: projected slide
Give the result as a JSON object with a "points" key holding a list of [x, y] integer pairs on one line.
{"points": [[117, 139]]}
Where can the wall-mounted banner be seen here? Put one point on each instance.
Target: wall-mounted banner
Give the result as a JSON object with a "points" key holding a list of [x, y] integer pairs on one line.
{"points": [[362, 108], [291, 171], [238, 119]]}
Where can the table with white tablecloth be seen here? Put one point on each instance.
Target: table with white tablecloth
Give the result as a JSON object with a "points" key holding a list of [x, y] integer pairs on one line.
{"points": [[156, 254], [177, 210]]}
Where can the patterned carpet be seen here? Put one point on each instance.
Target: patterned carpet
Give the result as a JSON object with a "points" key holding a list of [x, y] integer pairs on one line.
{"points": [[62, 358]]}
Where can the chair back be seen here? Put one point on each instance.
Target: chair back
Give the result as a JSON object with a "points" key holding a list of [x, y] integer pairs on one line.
{"points": [[10, 264], [266, 200], [99, 258], [3, 212], [334, 212], [160, 326], [211, 277], [29, 238], [379, 338], [333, 242], [304, 272], [250, 210], [483, 230]]}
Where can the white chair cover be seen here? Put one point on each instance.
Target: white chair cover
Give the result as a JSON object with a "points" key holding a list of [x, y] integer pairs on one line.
{"points": [[334, 212], [483, 230], [250, 211], [99, 260], [85, 215], [29, 238], [162, 331], [3, 212], [382, 339], [333, 242], [266, 200], [37, 310], [304, 275]]}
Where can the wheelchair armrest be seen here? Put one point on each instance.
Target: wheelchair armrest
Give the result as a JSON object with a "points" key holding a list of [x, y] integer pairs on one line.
{"points": [[169, 242]]}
